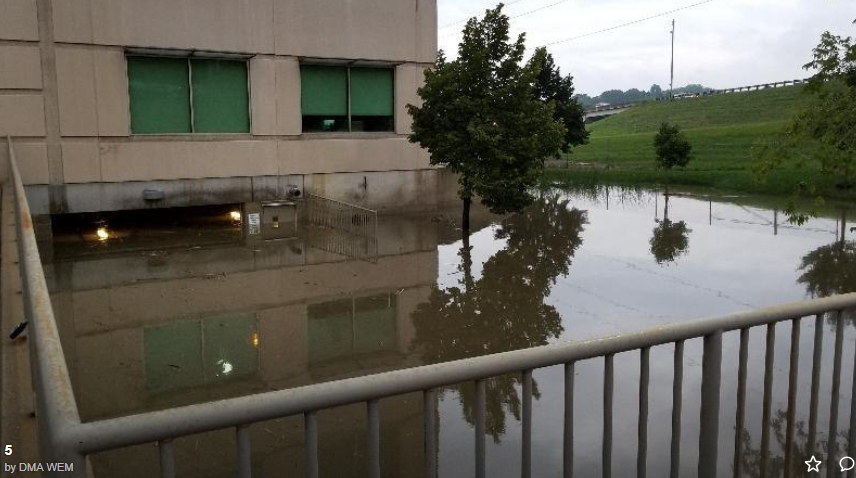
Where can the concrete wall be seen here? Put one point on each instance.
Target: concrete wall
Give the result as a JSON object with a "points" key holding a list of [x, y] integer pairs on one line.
{"points": [[64, 89]]}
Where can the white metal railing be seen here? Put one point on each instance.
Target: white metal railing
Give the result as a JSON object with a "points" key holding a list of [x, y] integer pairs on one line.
{"points": [[64, 438]]}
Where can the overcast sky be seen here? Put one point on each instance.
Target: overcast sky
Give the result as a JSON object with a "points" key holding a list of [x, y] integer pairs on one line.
{"points": [[723, 43]]}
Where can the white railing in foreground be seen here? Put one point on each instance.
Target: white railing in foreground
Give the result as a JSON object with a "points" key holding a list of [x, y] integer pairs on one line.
{"points": [[65, 439]]}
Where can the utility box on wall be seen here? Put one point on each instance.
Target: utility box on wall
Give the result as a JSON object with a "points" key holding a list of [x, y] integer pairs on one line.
{"points": [[279, 219]]}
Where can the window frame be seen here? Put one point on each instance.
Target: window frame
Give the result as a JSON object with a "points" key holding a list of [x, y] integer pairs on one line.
{"points": [[189, 57], [348, 66]]}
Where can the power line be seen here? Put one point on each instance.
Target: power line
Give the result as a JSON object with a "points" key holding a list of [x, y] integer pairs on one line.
{"points": [[634, 22], [467, 19], [523, 14], [539, 9]]}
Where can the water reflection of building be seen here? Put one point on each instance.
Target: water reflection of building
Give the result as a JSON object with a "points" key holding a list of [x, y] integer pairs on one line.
{"points": [[148, 326], [155, 329]]}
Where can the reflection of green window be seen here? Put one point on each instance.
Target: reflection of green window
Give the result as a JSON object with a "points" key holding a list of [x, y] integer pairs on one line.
{"points": [[346, 327], [326, 92], [188, 354], [374, 324], [179, 95]]}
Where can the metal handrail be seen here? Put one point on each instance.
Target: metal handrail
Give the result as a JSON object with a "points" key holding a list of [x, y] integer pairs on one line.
{"points": [[232, 412], [55, 402], [65, 438]]}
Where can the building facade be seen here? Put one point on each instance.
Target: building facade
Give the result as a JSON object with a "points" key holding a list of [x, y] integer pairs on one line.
{"points": [[128, 104]]}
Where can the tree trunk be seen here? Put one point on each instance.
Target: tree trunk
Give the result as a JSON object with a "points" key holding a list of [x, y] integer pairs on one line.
{"points": [[465, 220]]}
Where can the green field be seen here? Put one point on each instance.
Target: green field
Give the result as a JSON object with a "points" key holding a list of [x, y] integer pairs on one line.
{"points": [[722, 130]]}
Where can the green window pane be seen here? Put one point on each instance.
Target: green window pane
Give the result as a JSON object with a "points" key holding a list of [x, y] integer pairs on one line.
{"points": [[324, 90], [371, 92], [221, 102], [173, 355], [160, 95]]}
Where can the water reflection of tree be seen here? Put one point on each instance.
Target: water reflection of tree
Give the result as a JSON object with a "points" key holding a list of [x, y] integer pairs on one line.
{"points": [[503, 309], [751, 462], [830, 269], [669, 240]]}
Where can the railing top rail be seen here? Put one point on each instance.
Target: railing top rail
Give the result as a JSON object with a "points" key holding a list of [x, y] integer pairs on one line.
{"points": [[342, 203], [57, 396], [149, 427]]}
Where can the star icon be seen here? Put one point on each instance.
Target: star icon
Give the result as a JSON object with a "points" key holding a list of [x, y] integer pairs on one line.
{"points": [[813, 464]]}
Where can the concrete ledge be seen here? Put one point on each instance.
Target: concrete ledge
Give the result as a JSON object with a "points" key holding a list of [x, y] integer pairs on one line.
{"points": [[387, 191]]}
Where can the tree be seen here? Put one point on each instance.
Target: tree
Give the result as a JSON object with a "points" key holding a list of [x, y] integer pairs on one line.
{"points": [[824, 124], [656, 91], [551, 86], [672, 147], [479, 119]]}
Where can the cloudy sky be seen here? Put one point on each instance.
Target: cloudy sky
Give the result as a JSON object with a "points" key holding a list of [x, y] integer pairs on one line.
{"points": [[720, 43]]}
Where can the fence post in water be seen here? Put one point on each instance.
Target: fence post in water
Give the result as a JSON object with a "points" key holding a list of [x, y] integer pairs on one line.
{"points": [[711, 377]]}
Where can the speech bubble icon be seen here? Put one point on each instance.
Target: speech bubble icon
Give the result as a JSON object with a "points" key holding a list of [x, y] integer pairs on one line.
{"points": [[847, 463]]}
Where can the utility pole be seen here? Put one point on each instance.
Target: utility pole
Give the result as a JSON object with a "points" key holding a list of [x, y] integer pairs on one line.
{"points": [[672, 73]]}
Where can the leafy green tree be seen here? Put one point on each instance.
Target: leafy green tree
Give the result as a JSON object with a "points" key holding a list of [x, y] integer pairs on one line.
{"points": [[672, 147], [551, 86], [479, 119], [656, 91], [825, 124]]}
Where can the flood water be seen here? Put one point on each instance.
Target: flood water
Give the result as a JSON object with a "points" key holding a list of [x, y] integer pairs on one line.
{"points": [[175, 311]]}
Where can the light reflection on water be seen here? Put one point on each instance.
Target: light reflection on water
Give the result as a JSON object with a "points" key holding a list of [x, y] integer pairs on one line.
{"points": [[155, 325]]}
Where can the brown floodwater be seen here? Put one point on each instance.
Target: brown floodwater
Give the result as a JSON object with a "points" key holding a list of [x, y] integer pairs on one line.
{"points": [[171, 308]]}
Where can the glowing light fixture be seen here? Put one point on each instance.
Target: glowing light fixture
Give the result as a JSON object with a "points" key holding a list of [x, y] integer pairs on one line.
{"points": [[235, 215], [102, 234], [256, 340]]}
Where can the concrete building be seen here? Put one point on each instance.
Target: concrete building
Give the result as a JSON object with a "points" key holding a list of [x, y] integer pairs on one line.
{"points": [[221, 101]]}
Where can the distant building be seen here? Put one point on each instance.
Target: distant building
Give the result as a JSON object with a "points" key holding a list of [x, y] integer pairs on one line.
{"points": [[221, 101]]}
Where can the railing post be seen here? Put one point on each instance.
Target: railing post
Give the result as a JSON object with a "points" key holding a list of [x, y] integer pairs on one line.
{"points": [[817, 355], [310, 428], [792, 396], [677, 406], [832, 453], [740, 418], [373, 448], [642, 452], [429, 403], [167, 459], [568, 452], [480, 429], [526, 458], [766, 407], [709, 420], [608, 386]]}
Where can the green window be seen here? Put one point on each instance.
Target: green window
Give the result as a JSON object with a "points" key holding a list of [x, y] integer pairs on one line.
{"points": [[221, 102], [324, 98], [180, 95], [326, 92], [160, 95], [371, 99]]}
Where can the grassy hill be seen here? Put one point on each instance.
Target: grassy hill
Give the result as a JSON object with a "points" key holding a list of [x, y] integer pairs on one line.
{"points": [[721, 128]]}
